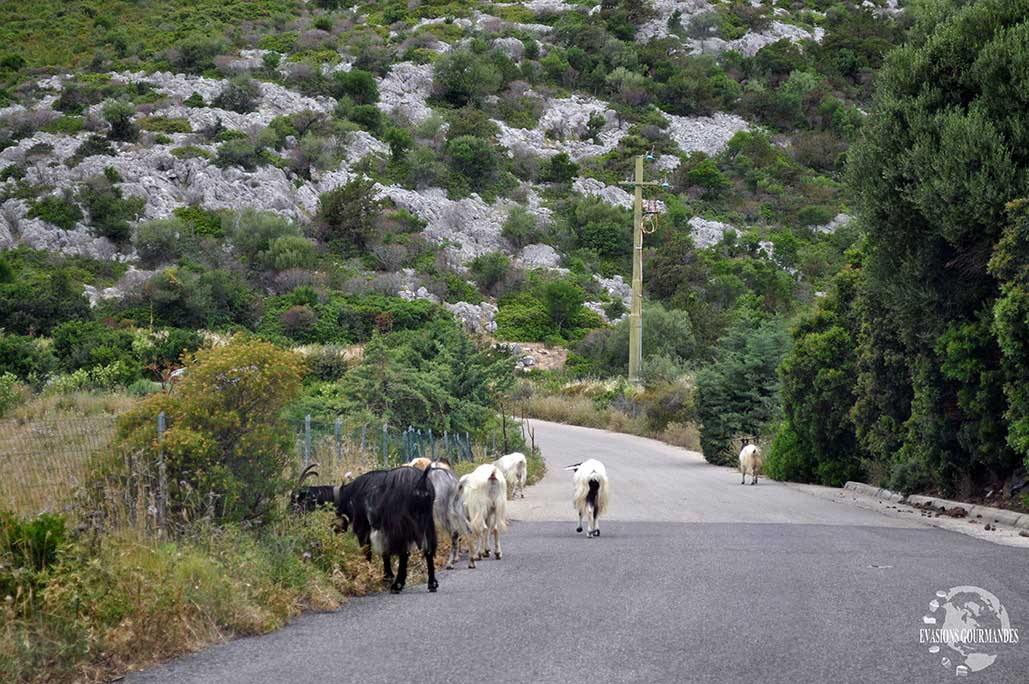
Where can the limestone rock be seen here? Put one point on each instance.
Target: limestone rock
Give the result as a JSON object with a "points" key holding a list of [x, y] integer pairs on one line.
{"points": [[706, 233], [479, 319], [708, 134], [539, 256], [405, 90]]}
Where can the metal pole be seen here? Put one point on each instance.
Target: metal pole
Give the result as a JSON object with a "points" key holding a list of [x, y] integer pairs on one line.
{"points": [[307, 440], [162, 472], [636, 312]]}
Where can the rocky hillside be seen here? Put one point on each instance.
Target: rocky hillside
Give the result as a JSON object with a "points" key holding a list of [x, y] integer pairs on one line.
{"points": [[475, 149]]}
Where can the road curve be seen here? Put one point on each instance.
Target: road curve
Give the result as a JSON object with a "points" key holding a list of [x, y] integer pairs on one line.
{"points": [[694, 579]]}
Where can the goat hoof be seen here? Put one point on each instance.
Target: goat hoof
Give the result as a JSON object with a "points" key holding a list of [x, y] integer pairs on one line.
{"points": [[497, 555], [596, 533], [433, 586], [578, 529], [449, 566], [396, 588]]}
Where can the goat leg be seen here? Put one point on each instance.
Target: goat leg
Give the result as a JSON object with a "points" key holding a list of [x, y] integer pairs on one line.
{"points": [[401, 580], [387, 567], [452, 556]]}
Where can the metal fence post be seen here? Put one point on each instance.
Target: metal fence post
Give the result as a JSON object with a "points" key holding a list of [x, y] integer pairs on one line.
{"points": [[385, 442], [339, 441], [307, 440], [162, 472], [432, 445]]}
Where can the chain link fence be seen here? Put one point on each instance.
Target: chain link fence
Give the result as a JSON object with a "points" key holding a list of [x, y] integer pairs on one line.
{"points": [[43, 463]]}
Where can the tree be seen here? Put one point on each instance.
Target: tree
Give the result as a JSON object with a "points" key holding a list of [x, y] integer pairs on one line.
{"points": [[520, 228], [346, 215], [667, 333], [118, 114], [560, 169], [474, 158], [563, 300], [738, 394], [226, 443], [945, 149], [463, 76]]}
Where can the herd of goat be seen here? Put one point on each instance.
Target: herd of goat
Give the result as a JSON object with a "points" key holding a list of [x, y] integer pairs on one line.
{"points": [[394, 511]]}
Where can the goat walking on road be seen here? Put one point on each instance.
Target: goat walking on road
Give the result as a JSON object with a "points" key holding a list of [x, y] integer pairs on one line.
{"points": [[401, 516], [515, 469], [590, 494], [750, 462], [484, 492]]}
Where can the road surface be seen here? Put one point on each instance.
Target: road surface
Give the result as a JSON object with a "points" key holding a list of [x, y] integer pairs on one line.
{"points": [[694, 578]]}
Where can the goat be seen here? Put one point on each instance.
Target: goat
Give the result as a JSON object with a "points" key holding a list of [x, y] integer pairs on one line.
{"points": [[448, 509], [352, 508], [515, 469], [750, 461], [401, 517], [422, 463], [484, 492], [590, 493], [308, 498]]}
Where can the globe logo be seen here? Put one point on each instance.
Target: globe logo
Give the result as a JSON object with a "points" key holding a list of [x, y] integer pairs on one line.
{"points": [[966, 627]]}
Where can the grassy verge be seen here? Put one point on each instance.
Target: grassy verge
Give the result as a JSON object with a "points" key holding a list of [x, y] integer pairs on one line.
{"points": [[629, 418], [110, 603]]}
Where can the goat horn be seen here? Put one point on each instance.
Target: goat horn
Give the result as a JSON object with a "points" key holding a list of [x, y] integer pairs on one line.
{"points": [[574, 466], [307, 472]]}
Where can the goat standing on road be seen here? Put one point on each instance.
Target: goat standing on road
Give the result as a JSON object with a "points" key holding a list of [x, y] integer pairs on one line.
{"points": [[401, 517], [515, 468], [750, 462], [590, 494], [448, 509], [484, 492]]}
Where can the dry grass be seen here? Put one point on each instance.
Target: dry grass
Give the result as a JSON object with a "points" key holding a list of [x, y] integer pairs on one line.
{"points": [[46, 443], [575, 409]]}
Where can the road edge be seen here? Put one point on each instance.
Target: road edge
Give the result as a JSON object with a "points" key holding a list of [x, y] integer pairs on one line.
{"points": [[987, 513]]}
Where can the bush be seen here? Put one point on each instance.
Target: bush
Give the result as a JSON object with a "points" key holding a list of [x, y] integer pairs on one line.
{"points": [[346, 215], [243, 153], [240, 95], [521, 229], [357, 84], [12, 392], [60, 211], [25, 358], [560, 169], [474, 158], [118, 114], [291, 251], [489, 270], [196, 54], [225, 432], [463, 77], [668, 334], [563, 301], [252, 234], [109, 212], [162, 241]]}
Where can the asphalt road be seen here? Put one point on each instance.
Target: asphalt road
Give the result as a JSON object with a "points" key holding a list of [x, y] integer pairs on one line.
{"points": [[694, 578]]}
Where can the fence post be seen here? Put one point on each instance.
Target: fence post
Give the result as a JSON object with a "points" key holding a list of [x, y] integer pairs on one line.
{"points": [[162, 472], [339, 441], [432, 445], [307, 440], [446, 446], [468, 445], [385, 443]]}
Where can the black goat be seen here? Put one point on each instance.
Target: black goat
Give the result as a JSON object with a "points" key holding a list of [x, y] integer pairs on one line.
{"points": [[352, 507], [308, 498], [401, 516]]}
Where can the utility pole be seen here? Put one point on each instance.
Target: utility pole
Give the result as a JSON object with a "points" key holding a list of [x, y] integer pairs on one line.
{"points": [[636, 311]]}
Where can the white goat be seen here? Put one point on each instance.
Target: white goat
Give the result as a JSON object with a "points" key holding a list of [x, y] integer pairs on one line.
{"points": [[590, 493], [484, 492], [750, 462], [448, 508], [515, 468]]}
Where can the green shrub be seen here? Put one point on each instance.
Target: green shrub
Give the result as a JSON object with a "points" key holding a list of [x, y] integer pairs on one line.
{"points": [[474, 158], [346, 215], [560, 169], [66, 125], [118, 114], [60, 211], [463, 76], [163, 241], [357, 84], [110, 212], [25, 358], [521, 229], [225, 434], [239, 95], [191, 152], [489, 270], [163, 124], [29, 547], [202, 222], [12, 392]]}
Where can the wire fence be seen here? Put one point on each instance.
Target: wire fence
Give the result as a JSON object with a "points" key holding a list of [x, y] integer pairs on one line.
{"points": [[43, 463]]}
